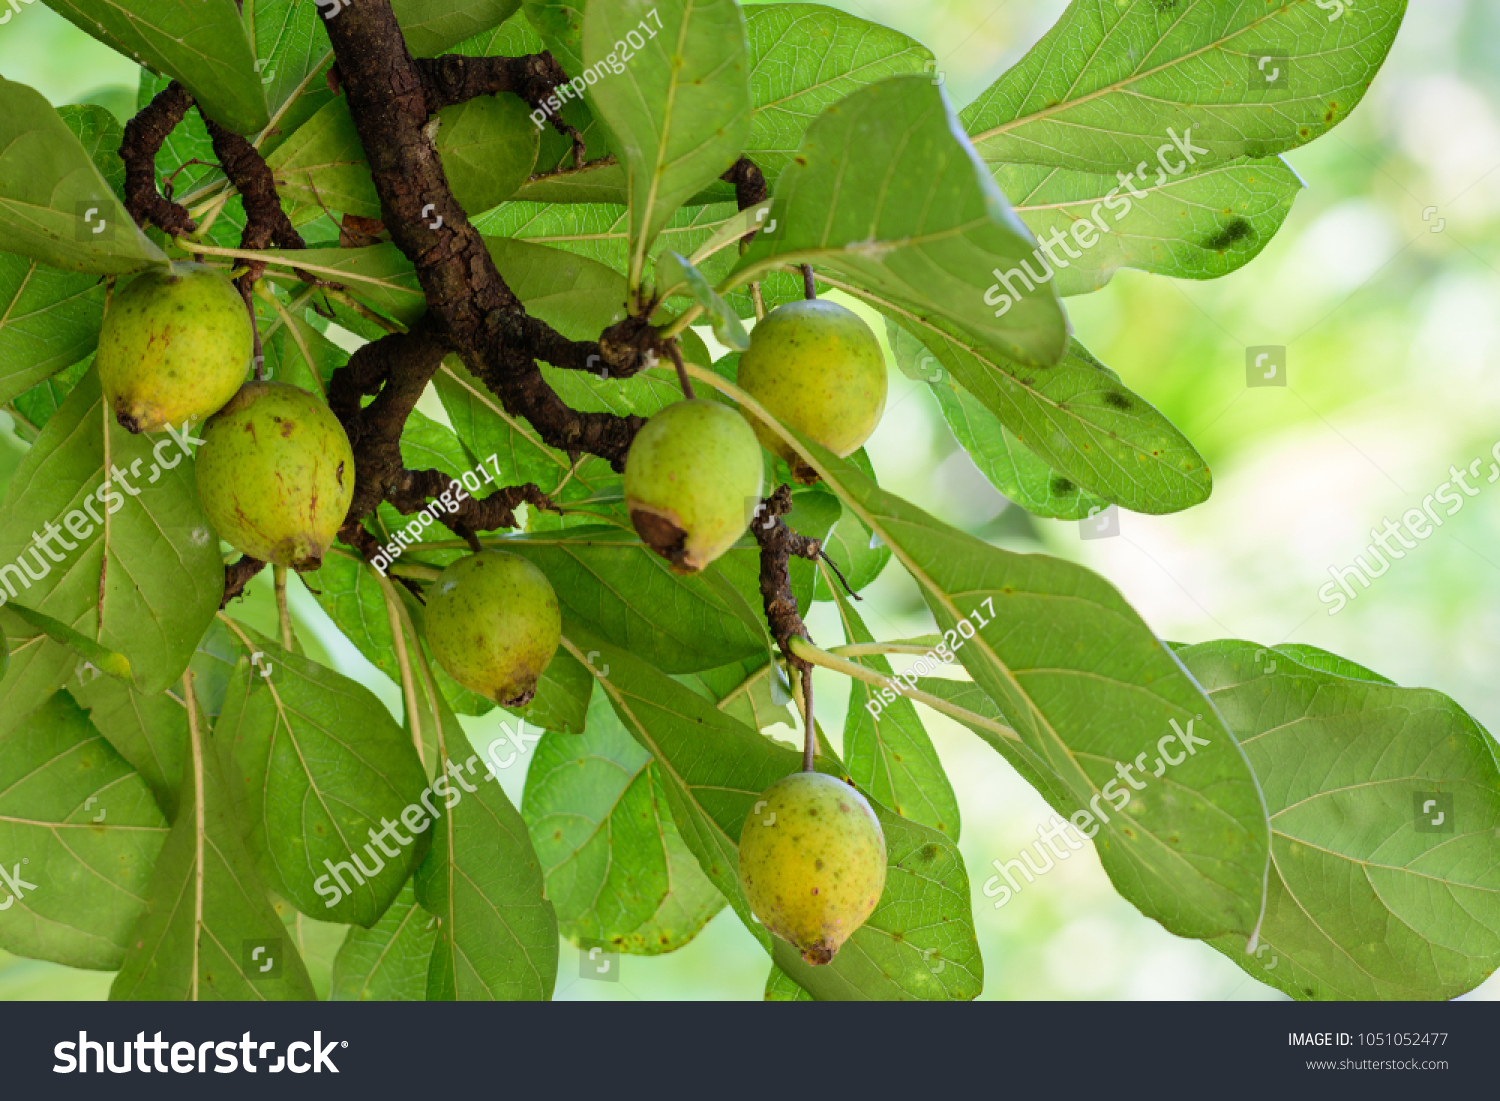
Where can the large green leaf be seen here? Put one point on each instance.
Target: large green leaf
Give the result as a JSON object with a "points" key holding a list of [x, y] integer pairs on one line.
{"points": [[1092, 695], [617, 869], [887, 193], [1114, 80], [202, 43], [207, 909], [317, 767], [144, 577], [432, 26], [49, 320], [55, 207], [497, 933], [678, 110], [151, 732], [488, 147], [886, 747], [918, 943], [1367, 899], [387, 962], [80, 833], [805, 58], [1198, 225], [1079, 419]]}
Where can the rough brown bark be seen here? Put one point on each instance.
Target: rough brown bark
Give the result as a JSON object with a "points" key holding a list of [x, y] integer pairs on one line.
{"points": [[144, 135], [467, 298]]}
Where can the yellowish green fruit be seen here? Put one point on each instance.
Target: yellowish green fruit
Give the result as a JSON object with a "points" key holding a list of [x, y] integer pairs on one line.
{"points": [[175, 346], [493, 623], [276, 474], [692, 480], [812, 862], [818, 368]]}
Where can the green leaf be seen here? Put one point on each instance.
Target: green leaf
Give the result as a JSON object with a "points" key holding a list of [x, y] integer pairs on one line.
{"points": [[1079, 419], [678, 110], [1111, 83], [560, 25], [488, 147], [617, 870], [497, 933], [610, 580], [1200, 225], [80, 834], [387, 962], [55, 207], [206, 907], [37, 405], [432, 26], [317, 767], [143, 577], [886, 748], [151, 732], [1325, 662], [673, 270], [781, 987], [1010, 467], [1366, 898], [101, 135], [36, 667], [918, 943], [852, 547], [888, 194], [202, 43], [1092, 695], [377, 275], [803, 59], [94, 656], [291, 54], [755, 691]]}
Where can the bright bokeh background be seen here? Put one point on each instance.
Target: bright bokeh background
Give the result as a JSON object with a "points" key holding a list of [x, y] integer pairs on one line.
{"points": [[1393, 328]]}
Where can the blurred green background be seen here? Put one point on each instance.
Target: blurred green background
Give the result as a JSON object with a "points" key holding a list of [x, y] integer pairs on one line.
{"points": [[1392, 322]]}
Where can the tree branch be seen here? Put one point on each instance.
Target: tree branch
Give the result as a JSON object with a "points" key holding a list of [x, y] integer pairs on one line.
{"points": [[144, 136], [467, 298]]}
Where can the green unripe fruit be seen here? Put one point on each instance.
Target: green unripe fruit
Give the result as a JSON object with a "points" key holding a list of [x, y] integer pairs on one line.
{"points": [[818, 368], [493, 624], [175, 346], [276, 474], [812, 862], [692, 479]]}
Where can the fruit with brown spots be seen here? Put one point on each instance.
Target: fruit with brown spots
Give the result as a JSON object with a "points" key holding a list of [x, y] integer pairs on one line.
{"points": [[692, 480], [174, 347], [276, 474], [494, 624], [812, 862], [818, 368]]}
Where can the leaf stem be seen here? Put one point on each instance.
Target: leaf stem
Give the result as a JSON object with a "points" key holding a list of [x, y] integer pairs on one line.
{"points": [[283, 610], [809, 733], [811, 654], [682, 372]]}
